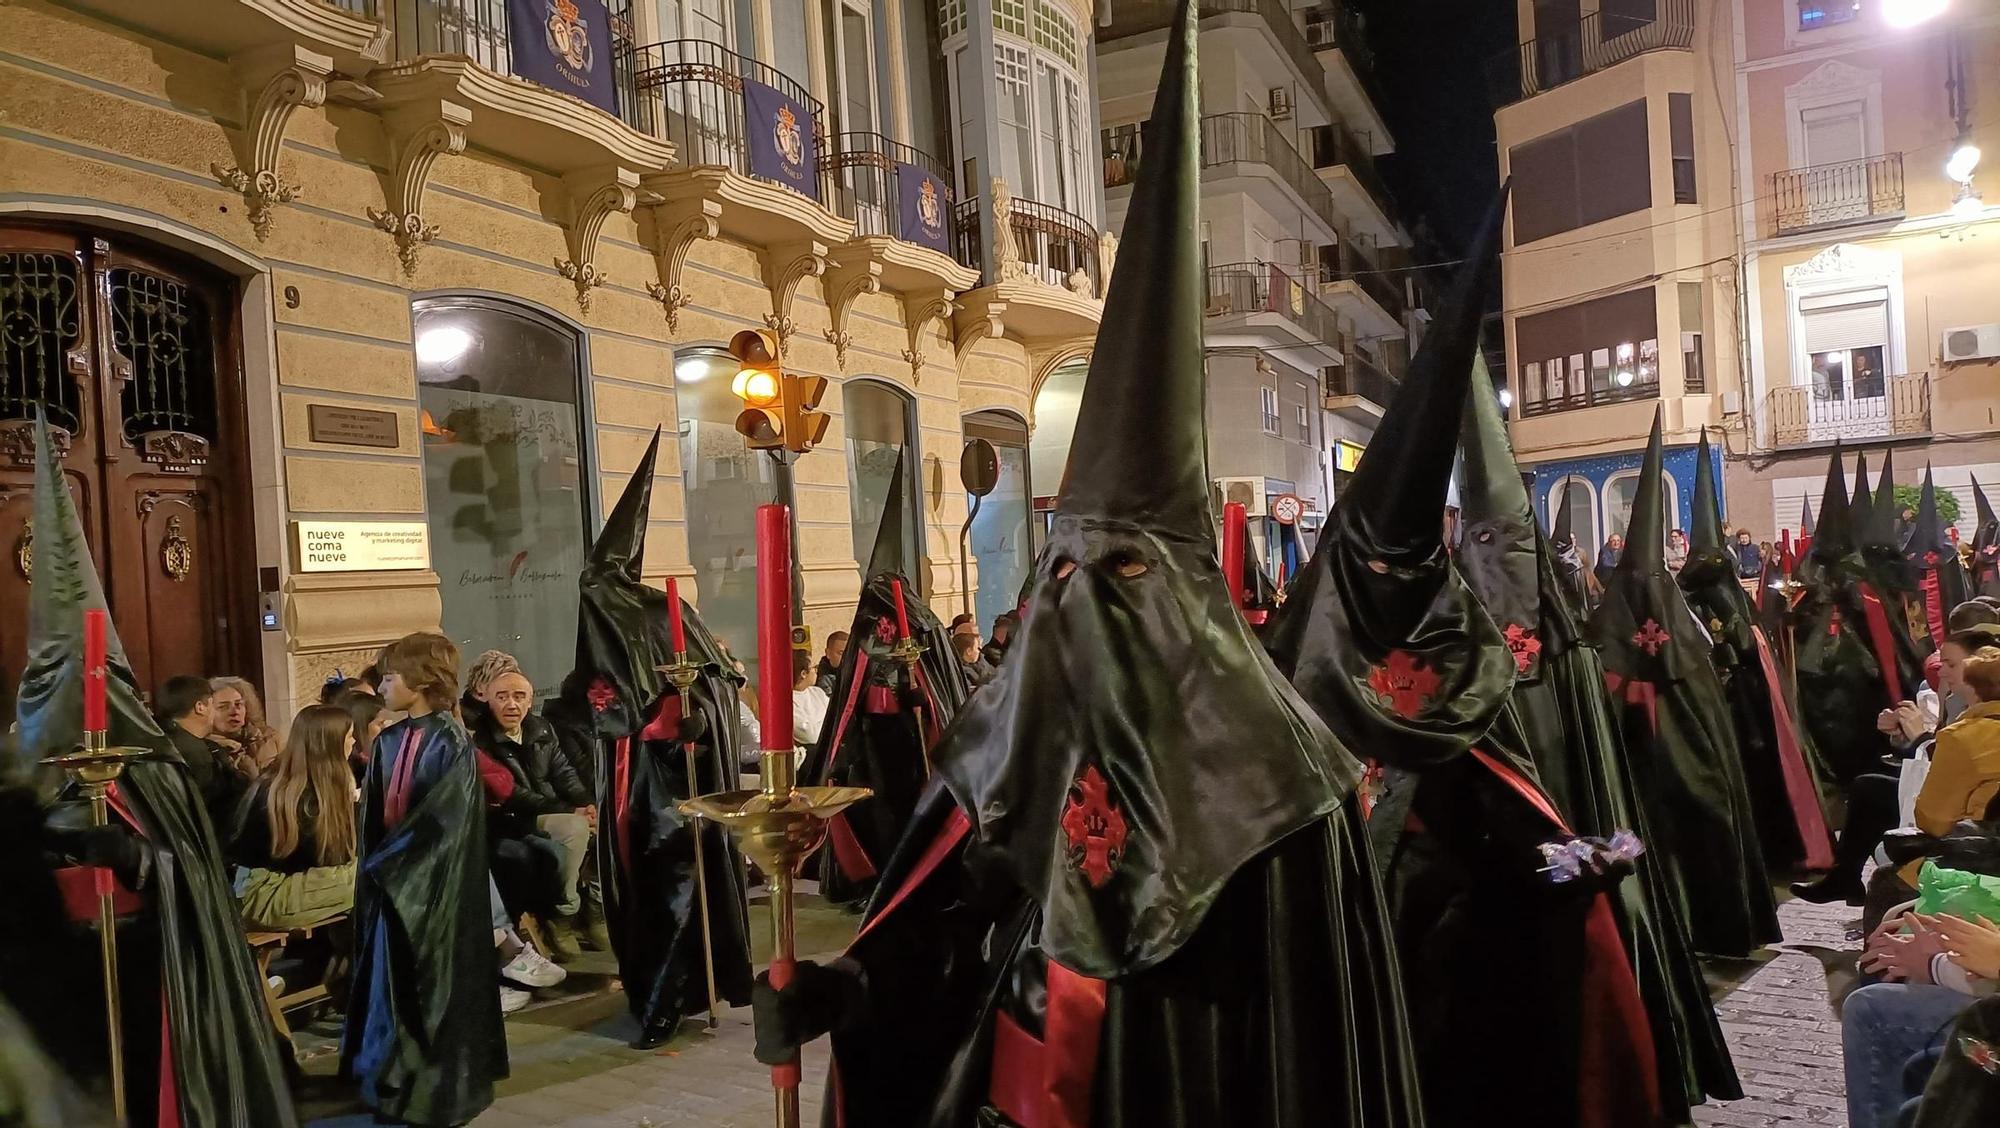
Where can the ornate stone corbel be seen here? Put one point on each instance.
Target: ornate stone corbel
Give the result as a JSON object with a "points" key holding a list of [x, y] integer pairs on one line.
{"points": [[676, 227], [296, 78], [593, 196], [1000, 213], [1107, 257], [968, 331], [843, 284], [785, 266], [919, 310], [418, 138]]}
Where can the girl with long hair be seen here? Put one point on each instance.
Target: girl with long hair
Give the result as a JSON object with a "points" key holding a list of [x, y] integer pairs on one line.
{"points": [[294, 840]]}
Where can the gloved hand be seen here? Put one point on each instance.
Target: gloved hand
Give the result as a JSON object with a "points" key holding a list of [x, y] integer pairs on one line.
{"points": [[911, 696], [693, 727], [1587, 864], [820, 998], [111, 847]]}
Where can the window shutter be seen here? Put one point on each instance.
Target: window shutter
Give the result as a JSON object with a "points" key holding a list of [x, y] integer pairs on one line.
{"points": [[1846, 321]]}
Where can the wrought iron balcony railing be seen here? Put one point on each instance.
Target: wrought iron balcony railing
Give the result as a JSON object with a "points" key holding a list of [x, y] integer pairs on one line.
{"points": [[1338, 26], [1047, 243], [1336, 144], [1363, 378], [478, 30], [1590, 45], [690, 92], [1229, 139], [1260, 287], [861, 174], [1355, 262], [1136, 17], [1833, 195], [1882, 407]]}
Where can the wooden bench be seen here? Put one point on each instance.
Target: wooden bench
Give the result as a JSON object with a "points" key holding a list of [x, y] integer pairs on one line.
{"points": [[266, 947]]}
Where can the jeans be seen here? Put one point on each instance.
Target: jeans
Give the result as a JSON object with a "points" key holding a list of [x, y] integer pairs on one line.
{"points": [[572, 833], [501, 921], [1882, 1027]]}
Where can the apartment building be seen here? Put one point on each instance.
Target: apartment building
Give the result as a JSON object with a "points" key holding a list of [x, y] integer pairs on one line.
{"points": [[1763, 217], [1308, 318], [351, 318]]}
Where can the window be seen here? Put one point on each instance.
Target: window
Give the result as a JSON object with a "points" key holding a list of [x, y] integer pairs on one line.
{"points": [[1582, 502], [1602, 351], [1011, 16], [788, 37], [1595, 170], [1694, 377], [1055, 32], [951, 18], [1269, 400], [1623, 488], [1305, 423], [1011, 100], [1680, 127], [1834, 134], [1846, 337], [506, 477], [881, 425], [1621, 16], [1825, 13], [999, 538], [724, 482]]}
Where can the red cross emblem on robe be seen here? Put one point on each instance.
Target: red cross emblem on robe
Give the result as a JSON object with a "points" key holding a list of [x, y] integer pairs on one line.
{"points": [[1524, 644], [1651, 638], [1094, 827], [1404, 683]]}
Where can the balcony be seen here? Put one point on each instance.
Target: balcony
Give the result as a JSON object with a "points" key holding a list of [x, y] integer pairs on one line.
{"points": [[862, 176], [1369, 292], [1260, 305], [1346, 165], [1337, 27], [1046, 276], [1138, 17], [1595, 43], [1805, 415], [1360, 389], [1837, 195]]}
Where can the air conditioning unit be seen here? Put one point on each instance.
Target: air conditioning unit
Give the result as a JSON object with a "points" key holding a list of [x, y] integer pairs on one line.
{"points": [[1246, 492], [1973, 342], [1281, 103]]}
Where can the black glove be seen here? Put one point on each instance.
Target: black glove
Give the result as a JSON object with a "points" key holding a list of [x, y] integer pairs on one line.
{"points": [[819, 999], [693, 727], [911, 696], [109, 847]]}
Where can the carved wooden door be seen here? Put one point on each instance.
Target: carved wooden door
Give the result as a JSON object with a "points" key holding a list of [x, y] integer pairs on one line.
{"points": [[132, 354]]}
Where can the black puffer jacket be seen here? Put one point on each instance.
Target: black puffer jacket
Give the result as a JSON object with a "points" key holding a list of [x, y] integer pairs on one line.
{"points": [[546, 781]]}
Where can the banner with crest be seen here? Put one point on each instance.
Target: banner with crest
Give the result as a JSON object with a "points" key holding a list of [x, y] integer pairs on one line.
{"points": [[564, 45], [781, 138], [923, 216]]}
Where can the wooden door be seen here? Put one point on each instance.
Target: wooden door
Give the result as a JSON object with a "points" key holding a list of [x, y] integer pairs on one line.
{"points": [[133, 355]]}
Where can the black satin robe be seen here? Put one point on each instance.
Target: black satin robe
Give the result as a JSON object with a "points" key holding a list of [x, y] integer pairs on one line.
{"points": [[1964, 1090], [423, 1037], [1849, 670]]}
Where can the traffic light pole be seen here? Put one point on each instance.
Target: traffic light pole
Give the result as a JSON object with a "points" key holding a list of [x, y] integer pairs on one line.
{"points": [[787, 486]]}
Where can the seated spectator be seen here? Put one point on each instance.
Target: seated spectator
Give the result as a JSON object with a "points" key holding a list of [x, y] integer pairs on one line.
{"points": [[1749, 558], [809, 702], [828, 671], [293, 835], [1932, 970], [239, 721], [965, 642], [1677, 551], [1003, 635], [1607, 557], [545, 795], [478, 678], [186, 710]]}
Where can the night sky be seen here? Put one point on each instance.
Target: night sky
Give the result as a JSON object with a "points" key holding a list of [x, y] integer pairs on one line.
{"points": [[1432, 58]]}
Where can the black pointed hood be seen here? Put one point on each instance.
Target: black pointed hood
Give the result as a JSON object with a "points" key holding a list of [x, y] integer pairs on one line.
{"points": [[1643, 625], [1985, 545], [1498, 554], [1982, 507], [1863, 502], [892, 533], [50, 705], [1571, 567], [1560, 532], [1709, 576], [1705, 531], [1942, 582], [1833, 536], [1879, 544], [1137, 747], [1805, 517], [1380, 631]]}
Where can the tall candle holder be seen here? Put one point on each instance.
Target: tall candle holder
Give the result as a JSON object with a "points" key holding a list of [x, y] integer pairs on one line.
{"points": [[682, 674]]}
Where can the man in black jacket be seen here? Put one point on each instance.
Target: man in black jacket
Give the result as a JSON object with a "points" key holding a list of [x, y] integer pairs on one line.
{"points": [[549, 795], [185, 715]]}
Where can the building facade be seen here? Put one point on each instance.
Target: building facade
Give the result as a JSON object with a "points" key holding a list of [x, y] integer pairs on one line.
{"points": [[352, 318], [1308, 315], [1741, 213]]}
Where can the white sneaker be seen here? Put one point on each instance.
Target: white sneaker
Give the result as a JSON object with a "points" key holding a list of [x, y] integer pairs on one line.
{"points": [[513, 998], [531, 968]]}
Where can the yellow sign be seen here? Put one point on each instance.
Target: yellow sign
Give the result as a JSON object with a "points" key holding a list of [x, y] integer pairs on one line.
{"points": [[361, 546], [1346, 455]]}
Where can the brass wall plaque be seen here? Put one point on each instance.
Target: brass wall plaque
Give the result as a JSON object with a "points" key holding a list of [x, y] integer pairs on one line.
{"points": [[352, 426]]}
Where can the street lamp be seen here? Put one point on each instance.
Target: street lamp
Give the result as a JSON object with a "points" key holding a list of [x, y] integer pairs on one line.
{"points": [[1963, 160], [1910, 13], [1967, 206]]}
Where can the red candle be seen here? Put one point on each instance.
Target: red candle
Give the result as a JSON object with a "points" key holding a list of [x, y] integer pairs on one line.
{"points": [[674, 616], [902, 615], [96, 717]]}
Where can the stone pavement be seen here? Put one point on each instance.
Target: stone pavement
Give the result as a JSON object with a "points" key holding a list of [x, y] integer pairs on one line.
{"points": [[572, 1068], [1783, 1030]]}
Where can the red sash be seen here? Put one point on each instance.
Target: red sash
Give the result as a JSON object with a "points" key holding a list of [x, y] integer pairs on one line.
{"points": [[1880, 640], [1799, 790], [1046, 1082], [1635, 693], [396, 803]]}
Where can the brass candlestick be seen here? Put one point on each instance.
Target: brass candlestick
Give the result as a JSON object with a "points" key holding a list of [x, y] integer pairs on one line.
{"points": [[907, 653], [93, 768], [682, 674], [778, 825]]}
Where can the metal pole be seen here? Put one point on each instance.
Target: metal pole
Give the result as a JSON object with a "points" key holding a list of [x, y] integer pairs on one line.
{"points": [[965, 557], [107, 944]]}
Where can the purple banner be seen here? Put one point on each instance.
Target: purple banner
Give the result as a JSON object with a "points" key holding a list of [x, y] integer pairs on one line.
{"points": [[566, 46], [924, 208], [780, 132]]}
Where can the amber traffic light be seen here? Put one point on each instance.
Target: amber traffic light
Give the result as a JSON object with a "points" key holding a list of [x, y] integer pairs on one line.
{"points": [[805, 424], [779, 411]]}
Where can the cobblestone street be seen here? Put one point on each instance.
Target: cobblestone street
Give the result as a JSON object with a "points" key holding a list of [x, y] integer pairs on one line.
{"points": [[573, 1069]]}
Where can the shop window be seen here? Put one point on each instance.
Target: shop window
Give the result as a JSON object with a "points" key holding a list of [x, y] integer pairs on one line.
{"points": [[1000, 541], [506, 474], [724, 483], [881, 430], [1623, 488]]}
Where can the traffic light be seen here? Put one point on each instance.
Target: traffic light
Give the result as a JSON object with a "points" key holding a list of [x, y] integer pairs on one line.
{"points": [[760, 384], [779, 411]]}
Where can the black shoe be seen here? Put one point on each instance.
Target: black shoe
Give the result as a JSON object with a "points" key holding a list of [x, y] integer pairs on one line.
{"points": [[1829, 889], [655, 1035]]}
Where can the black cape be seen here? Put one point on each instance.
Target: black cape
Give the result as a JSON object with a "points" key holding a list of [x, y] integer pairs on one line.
{"points": [[187, 941], [1777, 762], [1985, 567], [881, 723], [423, 1037], [1675, 719], [1140, 895], [1942, 583]]}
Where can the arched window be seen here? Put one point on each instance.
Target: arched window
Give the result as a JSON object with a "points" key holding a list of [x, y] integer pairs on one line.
{"points": [[1623, 487], [1000, 541], [1582, 511], [507, 477], [881, 427], [1056, 403], [725, 482]]}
